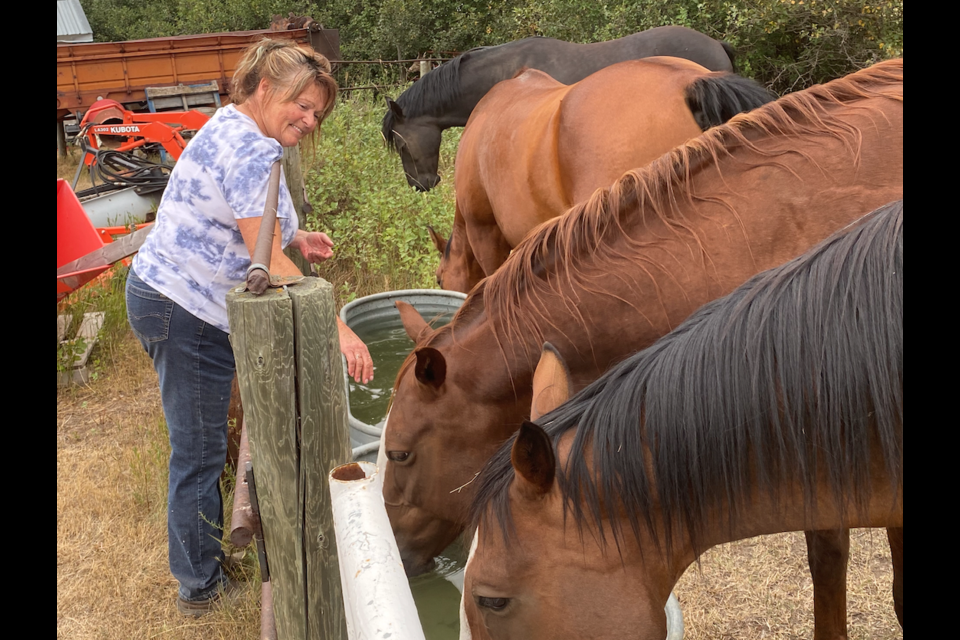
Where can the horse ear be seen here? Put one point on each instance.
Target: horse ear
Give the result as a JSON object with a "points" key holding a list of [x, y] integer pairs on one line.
{"points": [[533, 461], [393, 106], [431, 369], [414, 324], [551, 382], [438, 240]]}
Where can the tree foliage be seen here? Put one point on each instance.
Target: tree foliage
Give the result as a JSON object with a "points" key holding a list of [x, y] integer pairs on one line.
{"points": [[114, 20], [787, 44]]}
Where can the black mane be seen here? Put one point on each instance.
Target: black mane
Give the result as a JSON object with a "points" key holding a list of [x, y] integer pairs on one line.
{"points": [[433, 93], [798, 371]]}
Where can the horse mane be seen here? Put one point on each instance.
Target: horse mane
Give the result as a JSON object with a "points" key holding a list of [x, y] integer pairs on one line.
{"points": [[796, 374], [565, 254], [433, 93]]}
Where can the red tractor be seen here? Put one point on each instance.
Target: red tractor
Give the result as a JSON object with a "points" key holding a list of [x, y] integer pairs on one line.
{"points": [[108, 125]]}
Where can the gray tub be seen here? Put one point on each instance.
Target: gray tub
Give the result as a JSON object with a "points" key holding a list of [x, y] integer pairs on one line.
{"points": [[380, 308], [365, 438]]}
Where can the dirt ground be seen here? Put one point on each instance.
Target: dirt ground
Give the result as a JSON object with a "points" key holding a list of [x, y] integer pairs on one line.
{"points": [[113, 582]]}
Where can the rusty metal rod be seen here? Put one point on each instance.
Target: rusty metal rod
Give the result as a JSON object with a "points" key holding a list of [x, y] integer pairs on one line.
{"points": [[268, 623], [258, 273], [244, 524]]}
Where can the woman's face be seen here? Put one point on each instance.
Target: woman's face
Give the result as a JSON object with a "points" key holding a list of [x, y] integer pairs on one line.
{"points": [[289, 122]]}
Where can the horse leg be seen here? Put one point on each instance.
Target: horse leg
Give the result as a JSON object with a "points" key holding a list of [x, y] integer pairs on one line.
{"points": [[895, 536], [827, 553]]}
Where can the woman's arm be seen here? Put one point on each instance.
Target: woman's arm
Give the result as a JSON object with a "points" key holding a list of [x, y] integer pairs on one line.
{"points": [[280, 264], [359, 362]]}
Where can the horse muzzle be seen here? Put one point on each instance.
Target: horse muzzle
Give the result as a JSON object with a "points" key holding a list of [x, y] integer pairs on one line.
{"points": [[420, 537], [423, 183]]}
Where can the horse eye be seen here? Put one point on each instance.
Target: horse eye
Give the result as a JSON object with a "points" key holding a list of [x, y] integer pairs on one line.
{"points": [[398, 456], [494, 604]]}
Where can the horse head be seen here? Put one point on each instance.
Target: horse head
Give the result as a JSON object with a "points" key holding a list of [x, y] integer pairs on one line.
{"points": [[458, 269], [541, 551], [431, 459], [417, 140]]}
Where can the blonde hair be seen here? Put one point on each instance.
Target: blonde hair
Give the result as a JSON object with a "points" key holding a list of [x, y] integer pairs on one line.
{"points": [[289, 70]]}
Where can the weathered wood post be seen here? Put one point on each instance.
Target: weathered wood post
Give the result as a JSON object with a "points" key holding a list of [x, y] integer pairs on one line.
{"points": [[291, 383], [293, 172]]}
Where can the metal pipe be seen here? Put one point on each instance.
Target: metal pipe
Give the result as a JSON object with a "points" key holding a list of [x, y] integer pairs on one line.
{"points": [[244, 524], [376, 592], [268, 623], [364, 449], [258, 274]]}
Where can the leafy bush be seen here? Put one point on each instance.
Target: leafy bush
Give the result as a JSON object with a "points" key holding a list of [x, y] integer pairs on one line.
{"points": [[361, 199], [786, 44], [113, 20]]}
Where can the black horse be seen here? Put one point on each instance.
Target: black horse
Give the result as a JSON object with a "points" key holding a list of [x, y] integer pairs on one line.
{"points": [[446, 96]]}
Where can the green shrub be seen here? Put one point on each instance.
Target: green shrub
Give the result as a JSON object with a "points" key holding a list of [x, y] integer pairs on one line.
{"points": [[361, 199]]}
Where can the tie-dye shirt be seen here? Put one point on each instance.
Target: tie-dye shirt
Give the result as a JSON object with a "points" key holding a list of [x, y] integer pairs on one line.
{"points": [[195, 252]]}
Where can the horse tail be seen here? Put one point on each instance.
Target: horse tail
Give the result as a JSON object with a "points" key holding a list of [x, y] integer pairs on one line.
{"points": [[715, 98], [731, 53]]}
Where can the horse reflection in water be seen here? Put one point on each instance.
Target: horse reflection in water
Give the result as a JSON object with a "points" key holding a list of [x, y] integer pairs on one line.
{"points": [[777, 408]]}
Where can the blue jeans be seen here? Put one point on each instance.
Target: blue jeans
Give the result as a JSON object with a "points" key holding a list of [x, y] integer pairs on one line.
{"points": [[194, 362]]}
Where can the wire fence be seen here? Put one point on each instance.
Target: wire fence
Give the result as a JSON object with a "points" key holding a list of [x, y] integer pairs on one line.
{"points": [[379, 75]]}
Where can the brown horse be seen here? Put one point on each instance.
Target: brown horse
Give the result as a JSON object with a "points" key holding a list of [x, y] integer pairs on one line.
{"points": [[624, 268], [777, 408], [533, 147]]}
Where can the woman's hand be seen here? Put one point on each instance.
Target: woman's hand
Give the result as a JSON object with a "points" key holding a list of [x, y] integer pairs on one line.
{"points": [[359, 362], [315, 246]]}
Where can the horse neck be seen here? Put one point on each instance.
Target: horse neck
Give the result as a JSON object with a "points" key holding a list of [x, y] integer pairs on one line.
{"points": [[657, 258]]}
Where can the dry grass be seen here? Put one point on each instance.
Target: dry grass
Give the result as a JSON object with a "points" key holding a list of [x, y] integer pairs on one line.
{"points": [[67, 169], [113, 580], [761, 588], [112, 574]]}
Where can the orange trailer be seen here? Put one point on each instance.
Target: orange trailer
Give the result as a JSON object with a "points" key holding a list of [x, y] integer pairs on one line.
{"points": [[123, 70]]}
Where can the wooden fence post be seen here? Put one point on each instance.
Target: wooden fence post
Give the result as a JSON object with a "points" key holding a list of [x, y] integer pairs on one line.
{"points": [[293, 172], [291, 383]]}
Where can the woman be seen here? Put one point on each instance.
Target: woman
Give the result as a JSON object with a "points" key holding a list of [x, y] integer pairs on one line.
{"points": [[205, 232]]}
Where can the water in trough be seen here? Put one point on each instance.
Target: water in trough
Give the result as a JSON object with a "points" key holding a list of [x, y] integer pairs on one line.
{"points": [[437, 594]]}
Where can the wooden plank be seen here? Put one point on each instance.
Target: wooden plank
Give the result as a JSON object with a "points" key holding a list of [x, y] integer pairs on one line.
{"points": [[90, 325], [324, 444], [63, 322], [88, 331], [109, 253], [263, 341], [183, 90]]}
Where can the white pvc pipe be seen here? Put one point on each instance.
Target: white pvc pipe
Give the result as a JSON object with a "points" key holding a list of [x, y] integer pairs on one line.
{"points": [[376, 593]]}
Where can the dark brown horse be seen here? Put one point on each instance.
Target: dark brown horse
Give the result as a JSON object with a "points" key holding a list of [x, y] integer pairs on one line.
{"points": [[777, 408], [624, 268], [445, 97], [535, 147]]}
